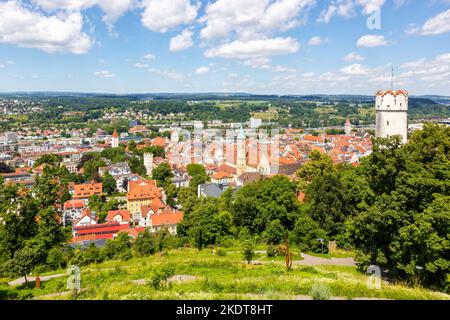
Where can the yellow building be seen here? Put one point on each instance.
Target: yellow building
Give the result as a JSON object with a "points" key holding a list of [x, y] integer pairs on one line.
{"points": [[141, 193]]}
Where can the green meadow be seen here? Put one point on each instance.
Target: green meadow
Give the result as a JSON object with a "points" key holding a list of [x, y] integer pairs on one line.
{"points": [[208, 275]]}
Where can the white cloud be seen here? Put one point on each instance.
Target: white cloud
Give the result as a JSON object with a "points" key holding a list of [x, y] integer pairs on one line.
{"points": [[202, 70], [282, 69], [254, 48], [104, 74], [113, 9], [182, 41], [141, 65], [163, 15], [352, 57], [247, 18], [347, 8], [149, 57], [355, 70], [258, 63], [308, 75], [316, 41], [434, 26], [29, 29], [371, 40]]}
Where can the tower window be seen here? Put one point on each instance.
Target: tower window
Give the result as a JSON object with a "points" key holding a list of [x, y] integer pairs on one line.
{"points": [[388, 123], [389, 106]]}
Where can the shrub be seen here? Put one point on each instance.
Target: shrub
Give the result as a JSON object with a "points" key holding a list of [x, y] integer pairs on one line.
{"points": [[272, 251], [248, 249], [306, 234], [221, 252], [161, 276], [320, 291], [25, 295]]}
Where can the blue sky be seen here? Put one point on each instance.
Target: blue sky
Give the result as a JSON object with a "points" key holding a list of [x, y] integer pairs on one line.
{"points": [[255, 46]]}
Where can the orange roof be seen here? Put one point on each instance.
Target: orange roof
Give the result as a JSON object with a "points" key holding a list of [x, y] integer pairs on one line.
{"points": [[166, 219], [125, 214], [74, 204], [142, 189], [221, 175], [159, 141], [87, 189], [312, 138], [115, 134]]}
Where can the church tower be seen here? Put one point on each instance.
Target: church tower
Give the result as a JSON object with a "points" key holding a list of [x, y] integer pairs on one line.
{"points": [[148, 163], [392, 114], [241, 163], [115, 139], [348, 127]]}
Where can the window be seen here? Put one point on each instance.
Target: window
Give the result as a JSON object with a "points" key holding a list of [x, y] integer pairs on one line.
{"points": [[388, 123]]}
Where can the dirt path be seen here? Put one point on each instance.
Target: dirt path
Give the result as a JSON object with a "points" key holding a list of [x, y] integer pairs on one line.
{"points": [[309, 260], [31, 279]]}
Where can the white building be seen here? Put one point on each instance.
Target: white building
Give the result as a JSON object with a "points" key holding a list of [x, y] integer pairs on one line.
{"points": [[392, 114]]}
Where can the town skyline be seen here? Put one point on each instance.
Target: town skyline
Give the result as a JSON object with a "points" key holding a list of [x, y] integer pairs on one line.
{"points": [[282, 47]]}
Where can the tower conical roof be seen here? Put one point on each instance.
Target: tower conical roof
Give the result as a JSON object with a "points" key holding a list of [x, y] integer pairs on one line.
{"points": [[115, 134], [241, 134]]}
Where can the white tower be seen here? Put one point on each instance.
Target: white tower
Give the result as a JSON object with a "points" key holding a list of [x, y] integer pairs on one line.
{"points": [[115, 139], [241, 163], [174, 137], [392, 114], [348, 127], [148, 163]]}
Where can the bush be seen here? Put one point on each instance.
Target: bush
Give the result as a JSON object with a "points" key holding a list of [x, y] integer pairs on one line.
{"points": [[272, 251], [227, 242], [220, 252], [25, 295], [306, 234], [248, 249], [320, 291], [161, 276]]}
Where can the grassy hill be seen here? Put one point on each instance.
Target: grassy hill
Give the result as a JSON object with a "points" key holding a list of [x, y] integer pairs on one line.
{"points": [[207, 275]]}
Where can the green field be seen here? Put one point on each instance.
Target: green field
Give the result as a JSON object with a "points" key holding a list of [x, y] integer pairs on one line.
{"points": [[206, 275]]}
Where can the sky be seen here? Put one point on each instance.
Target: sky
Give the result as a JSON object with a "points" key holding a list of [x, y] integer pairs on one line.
{"points": [[252, 46]]}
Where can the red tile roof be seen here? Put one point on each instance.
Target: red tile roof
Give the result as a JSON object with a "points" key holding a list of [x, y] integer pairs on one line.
{"points": [[125, 214], [166, 219]]}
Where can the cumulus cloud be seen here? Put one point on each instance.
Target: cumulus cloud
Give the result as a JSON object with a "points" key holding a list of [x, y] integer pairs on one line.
{"points": [[25, 28], [355, 70], [254, 48], [149, 56], [182, 41], [163, 15], [352, 57], [258, 63], [104, 74], [113, 9], [347, 8], [371, 40], [249, 29], [316, 41], [434, 26], [251, 17], [202, 70], [141, 65]]}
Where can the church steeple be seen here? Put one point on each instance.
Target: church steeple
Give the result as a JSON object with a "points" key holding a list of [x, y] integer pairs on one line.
{"points": [[115, 139], [241, 163]]}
